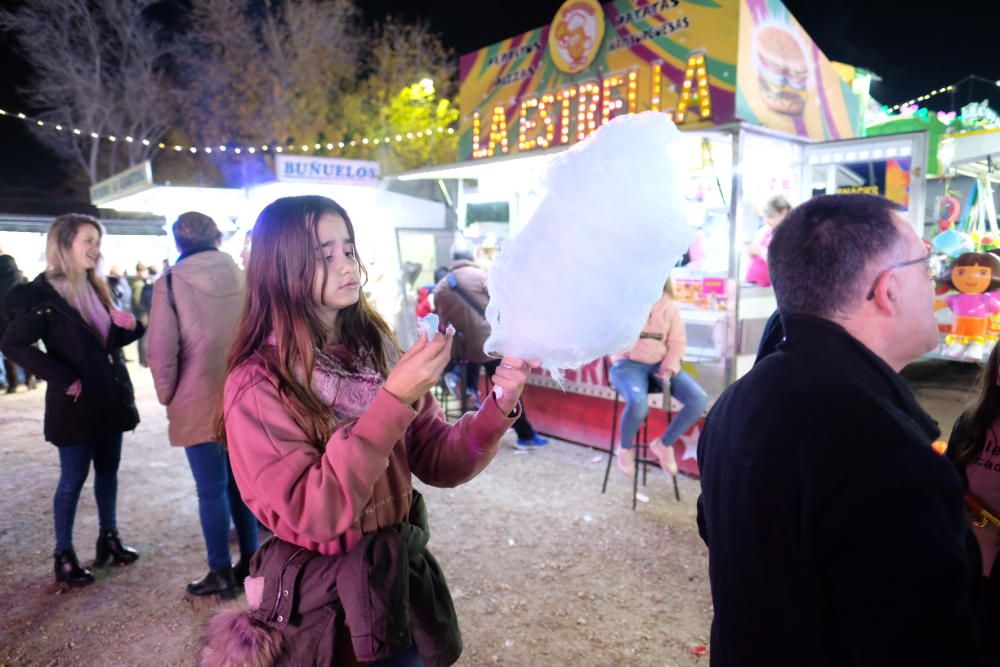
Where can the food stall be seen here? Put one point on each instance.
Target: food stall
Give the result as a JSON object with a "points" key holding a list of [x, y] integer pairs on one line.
{"points": [[758, 103]]}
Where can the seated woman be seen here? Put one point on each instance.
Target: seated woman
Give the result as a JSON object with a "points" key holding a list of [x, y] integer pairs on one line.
{"points": [[657, 354]]}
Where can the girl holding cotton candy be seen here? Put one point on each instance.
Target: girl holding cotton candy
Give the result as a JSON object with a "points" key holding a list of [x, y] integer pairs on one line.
{"points": [[325, 424]]}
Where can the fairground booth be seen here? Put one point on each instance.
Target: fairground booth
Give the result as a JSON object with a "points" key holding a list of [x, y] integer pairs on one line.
{"points": [[764, 112]]}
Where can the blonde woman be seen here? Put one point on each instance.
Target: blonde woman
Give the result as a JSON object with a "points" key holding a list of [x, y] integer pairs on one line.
{"points": [[89, 400]]}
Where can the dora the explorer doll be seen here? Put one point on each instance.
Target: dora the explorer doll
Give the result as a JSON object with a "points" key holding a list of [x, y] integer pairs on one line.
{"points": [[975, 276]]}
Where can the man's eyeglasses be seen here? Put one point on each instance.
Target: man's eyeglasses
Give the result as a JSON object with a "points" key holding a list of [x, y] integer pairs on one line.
{"points": [[935, 265]]}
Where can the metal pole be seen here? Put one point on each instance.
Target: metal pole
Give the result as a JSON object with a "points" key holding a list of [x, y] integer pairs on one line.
{"points": [[735, 250]]}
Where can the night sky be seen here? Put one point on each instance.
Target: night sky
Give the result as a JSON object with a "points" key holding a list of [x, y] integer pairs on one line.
{"points": [[913, 50]]}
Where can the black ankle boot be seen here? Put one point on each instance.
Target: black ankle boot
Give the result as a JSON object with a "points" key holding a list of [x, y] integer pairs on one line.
{"points": [[218, 582], [68, 570], [241, 570], [111, 550]]}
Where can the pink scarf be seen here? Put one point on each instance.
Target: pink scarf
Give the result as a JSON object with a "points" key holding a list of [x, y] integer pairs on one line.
{"points": [[341, 381], [348, 388]]}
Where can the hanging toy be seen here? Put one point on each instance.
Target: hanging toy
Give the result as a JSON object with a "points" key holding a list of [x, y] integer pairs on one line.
{"points": [[948, 209], [950, 241], [953, 243], [975, 276]]}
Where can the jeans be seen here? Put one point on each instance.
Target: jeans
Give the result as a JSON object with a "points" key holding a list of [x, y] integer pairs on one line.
{"points": [[7, 368], [74, 465], [523, 428], [630, 379], [218, 500]]}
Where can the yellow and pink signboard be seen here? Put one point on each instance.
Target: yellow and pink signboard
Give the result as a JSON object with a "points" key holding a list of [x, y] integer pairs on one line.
{"points": [[705, 62]]}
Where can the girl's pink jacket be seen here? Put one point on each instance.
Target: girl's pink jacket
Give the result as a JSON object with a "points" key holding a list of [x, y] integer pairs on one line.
{"points": [[326, 501]]}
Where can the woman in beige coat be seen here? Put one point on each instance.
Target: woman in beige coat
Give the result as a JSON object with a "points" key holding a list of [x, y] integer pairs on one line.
{"points": [[196, 306]]}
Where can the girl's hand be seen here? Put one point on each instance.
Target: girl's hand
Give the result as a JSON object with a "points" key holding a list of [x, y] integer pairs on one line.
{"points": [[420, 368], [123, 319], [75, 390], [509, 381]]}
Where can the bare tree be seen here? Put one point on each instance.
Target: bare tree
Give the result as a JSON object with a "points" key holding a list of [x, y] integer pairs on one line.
{"points": [[99, 67], [308, 71], [394, 97], [401, 54], [274, 75]]}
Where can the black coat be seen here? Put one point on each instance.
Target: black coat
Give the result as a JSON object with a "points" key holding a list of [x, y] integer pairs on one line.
{"points": [[836, 534], [770, 339], [74, 351], [9, 279]]}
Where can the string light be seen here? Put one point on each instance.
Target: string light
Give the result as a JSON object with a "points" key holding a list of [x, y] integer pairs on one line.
{"points": [[236, 149], [922, 98]]}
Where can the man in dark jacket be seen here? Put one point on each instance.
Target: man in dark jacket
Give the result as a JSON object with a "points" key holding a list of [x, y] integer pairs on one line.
{"points": [[836, 534], [460, 299]]}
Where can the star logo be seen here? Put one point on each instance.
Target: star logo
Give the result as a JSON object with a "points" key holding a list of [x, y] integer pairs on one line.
{"points": [[690, 443]]}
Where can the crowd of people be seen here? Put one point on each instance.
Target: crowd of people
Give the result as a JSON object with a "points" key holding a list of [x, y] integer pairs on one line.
{"points": [[837, 532]]}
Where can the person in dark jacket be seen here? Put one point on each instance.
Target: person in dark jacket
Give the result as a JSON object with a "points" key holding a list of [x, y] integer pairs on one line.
{"points": [[89, 400], [460, 298], [974, 450], [836, 533], [142, 302], [771, 338], [10, 374]]}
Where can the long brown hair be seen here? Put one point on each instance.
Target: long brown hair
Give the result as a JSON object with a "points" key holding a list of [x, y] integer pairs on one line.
{"points": [[279, 301], [985, 411], [62, 233]]}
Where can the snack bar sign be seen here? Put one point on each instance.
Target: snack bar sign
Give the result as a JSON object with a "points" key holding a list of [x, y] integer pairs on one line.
{"points": [[299, 169], [557, 84], [704, 62]]}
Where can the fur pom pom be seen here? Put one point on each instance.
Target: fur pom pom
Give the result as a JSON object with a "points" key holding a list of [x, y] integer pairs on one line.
{"points": [[237, 639]]}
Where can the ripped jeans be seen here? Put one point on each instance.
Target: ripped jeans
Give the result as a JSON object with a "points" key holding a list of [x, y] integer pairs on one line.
{"points": [[630, 379]]}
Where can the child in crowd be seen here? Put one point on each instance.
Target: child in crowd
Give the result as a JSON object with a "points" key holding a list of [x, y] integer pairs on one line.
{"points": [[325, 425]]}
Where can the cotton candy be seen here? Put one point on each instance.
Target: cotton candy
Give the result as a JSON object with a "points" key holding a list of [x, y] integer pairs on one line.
{"points": [[578, 281], [429, 324]]}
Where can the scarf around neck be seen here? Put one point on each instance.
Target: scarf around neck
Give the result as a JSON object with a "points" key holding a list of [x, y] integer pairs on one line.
{"points": [[347, 387], [344, 383]]}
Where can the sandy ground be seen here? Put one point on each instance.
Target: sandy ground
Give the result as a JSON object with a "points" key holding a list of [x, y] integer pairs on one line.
{"points": [[545, 570]]}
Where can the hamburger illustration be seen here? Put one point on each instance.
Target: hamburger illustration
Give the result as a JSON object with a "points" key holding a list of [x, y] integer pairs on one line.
{"points": [[782, 70]]}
